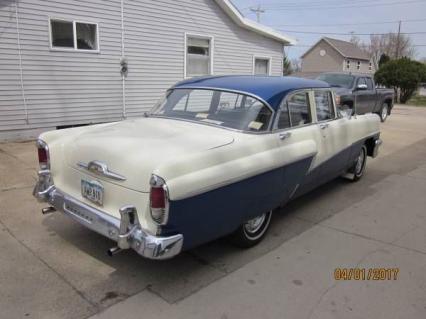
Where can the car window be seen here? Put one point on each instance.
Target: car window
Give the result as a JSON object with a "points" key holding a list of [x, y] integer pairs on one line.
{"points": [[324, 105], [337, 80], [361, 81], [215, 107], [295, 111], [369, 84]]}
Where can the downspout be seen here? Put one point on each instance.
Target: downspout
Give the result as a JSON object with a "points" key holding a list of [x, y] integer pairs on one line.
{"points": [[123, 74], [21, 71]]}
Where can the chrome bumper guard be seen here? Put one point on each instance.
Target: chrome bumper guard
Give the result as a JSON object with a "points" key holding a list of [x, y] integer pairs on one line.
{"points": [[377, 144], [127, 231]]}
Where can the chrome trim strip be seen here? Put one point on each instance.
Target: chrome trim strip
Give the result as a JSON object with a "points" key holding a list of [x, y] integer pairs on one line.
{"points": [[100, 168]]}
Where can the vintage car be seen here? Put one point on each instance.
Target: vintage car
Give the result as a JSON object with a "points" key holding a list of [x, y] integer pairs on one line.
{"points": [[214, 158]]}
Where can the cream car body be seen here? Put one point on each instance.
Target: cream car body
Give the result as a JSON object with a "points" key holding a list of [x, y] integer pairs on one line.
{"points": [[214, 178]]}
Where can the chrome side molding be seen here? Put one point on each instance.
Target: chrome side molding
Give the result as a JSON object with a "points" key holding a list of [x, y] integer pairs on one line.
{"points": [[100, 168]]}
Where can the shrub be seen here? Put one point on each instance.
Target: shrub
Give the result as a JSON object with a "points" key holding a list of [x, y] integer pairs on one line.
{"points": [[404, 75]]}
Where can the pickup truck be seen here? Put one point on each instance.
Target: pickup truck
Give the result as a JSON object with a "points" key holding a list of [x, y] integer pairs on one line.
{"points": [[359, 94]]}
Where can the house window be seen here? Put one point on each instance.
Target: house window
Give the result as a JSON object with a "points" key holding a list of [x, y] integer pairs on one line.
{"points": [[370, 67], [348, 64], [358, 65], [73, 35], [261, 66], [198, 56]]}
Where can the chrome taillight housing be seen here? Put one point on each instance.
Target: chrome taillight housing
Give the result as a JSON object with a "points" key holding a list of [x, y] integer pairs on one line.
{"points": [[43, 155], [159, 200]]}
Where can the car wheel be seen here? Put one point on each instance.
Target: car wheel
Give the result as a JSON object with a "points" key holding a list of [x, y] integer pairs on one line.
{"points": [[252, 232], [384, 112], [358, 169]]}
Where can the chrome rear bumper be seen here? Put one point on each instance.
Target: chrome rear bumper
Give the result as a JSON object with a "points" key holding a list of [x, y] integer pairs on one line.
{"points": [[127, 232]]}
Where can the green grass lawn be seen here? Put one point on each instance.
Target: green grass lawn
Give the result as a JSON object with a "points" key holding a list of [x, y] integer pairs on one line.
{"points": [[417, 100]]}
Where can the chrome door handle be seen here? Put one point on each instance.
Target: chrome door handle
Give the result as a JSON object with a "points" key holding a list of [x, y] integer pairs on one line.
{"points": [[284, 135], [324, 126]]}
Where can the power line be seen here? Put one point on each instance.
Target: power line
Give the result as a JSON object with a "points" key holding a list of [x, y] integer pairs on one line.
{"points": [[344, 6], [311, 45], [347, 33], [309, 3], [346, 24]]}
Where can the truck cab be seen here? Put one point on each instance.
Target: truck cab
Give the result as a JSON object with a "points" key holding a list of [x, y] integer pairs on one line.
{"points": [[360, 94]]}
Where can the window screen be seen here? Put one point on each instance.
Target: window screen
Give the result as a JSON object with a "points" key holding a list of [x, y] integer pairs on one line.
{"points": [[261, 66], [86, 36], [62, 34], [198, 58], [295, 112], [324, 105]]}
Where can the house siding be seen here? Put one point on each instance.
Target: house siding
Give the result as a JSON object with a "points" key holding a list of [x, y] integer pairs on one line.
{"points": [[71, 87], [314, 62], [333, 61]]}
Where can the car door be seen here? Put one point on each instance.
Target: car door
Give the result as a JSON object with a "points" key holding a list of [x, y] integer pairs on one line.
{"points": [[300, 139], [360, 98], [335, 144], [371, 96]]}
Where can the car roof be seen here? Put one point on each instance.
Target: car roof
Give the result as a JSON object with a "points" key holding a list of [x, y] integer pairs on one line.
{"points": [[271, 89]]}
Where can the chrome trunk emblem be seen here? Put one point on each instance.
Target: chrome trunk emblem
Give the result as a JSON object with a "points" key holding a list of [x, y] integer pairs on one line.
{"points": [[100, 168]]}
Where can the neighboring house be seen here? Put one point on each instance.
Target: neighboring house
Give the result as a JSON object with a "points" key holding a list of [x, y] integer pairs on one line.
{"points": [[70, 62], [332, 55]]}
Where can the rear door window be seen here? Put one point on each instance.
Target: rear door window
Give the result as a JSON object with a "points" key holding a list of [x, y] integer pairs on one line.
{"points": [[295, 111], [324, 105], [369, 82]]}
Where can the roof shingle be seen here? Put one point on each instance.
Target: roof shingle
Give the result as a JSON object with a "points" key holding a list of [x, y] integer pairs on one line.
{"points": [[347, 49]]}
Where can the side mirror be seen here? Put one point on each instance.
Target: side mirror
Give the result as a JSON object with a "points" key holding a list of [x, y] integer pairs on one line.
{"points": [[361, 87]]}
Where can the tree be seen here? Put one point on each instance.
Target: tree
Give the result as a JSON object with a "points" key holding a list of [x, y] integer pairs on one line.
{"points": [[287, 67], [391, 44], [405, 75], [296, 65], [383, 59]]}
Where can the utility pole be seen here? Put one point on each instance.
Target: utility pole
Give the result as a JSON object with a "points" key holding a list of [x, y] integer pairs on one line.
{"points": [[258, 12], [398, 40]]}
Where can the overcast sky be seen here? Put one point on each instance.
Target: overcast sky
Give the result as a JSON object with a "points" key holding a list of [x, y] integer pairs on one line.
{"points": [[319, 15]]}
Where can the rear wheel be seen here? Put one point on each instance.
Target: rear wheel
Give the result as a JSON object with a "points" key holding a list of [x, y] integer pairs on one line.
{"points": [[357, 170], [252, 232], [384, 112]]}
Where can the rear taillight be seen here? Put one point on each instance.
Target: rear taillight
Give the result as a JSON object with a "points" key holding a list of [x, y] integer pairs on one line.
{"points": [[159, 202], [43, 155]]}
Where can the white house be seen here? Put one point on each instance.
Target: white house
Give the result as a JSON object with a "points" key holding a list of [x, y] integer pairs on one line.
{"points": [[71, 62]]}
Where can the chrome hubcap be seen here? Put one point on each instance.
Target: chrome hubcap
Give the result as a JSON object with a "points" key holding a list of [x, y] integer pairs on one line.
{"points": [[384, 112], [360, 162], [253, 225]]}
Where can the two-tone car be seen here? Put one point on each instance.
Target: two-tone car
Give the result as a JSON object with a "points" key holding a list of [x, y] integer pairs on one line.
{"points": [[215, 157]]}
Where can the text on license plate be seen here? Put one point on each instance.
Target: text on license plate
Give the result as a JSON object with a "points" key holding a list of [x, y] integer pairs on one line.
{"points": [[93, 191]]}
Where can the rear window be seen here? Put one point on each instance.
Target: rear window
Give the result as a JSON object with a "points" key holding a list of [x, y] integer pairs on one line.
{"points": [[215, 107], [337, 80]]}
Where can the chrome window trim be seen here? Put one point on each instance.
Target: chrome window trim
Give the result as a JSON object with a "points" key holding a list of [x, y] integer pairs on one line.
{"points": [[267, 131], [284, 100], [333, 101]]}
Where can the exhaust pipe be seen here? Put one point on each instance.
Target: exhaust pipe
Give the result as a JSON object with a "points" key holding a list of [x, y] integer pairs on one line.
{"points": [[48, 210], [114, 251]]}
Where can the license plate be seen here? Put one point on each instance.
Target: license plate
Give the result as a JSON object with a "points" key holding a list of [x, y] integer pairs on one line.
{"points": [[93, 191]]}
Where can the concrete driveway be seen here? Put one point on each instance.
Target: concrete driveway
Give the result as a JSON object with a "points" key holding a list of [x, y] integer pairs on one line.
{"points": [[51, 267]]}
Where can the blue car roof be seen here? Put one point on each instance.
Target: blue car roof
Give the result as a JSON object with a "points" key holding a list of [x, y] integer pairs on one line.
{"points": [[271, 89]]}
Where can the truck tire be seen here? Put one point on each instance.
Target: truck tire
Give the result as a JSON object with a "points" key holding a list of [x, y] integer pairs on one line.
{"points": [[384, 112]]}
